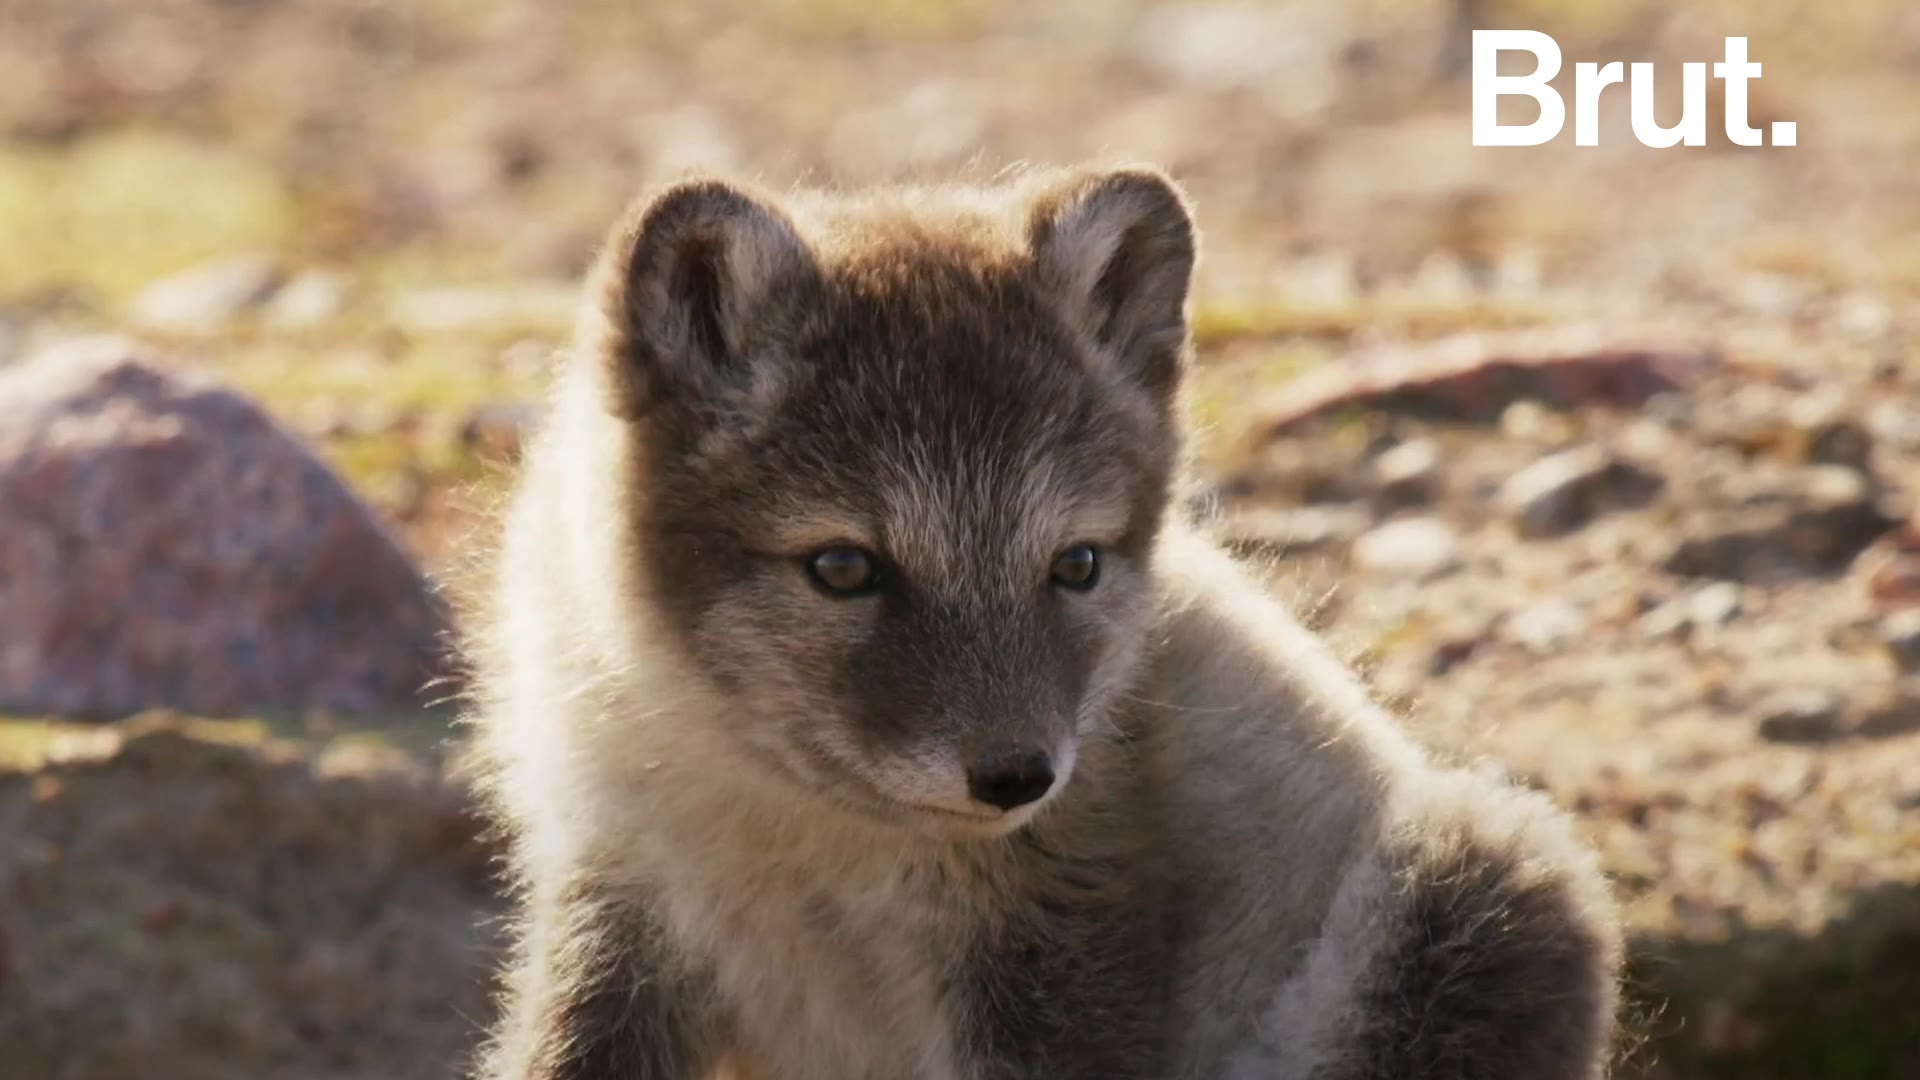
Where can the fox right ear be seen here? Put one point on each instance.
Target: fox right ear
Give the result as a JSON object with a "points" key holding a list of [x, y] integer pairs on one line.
{"points": [[1117, 248], [686, 278]]}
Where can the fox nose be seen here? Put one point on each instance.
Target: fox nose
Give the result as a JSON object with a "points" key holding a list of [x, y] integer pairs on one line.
{"points": [[1010, 778]]}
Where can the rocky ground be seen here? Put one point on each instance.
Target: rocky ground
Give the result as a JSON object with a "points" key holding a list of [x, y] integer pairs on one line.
{"points": [[1601, 463], [1692, 620]]}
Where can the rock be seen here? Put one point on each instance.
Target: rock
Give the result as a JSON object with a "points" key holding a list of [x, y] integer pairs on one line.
{"points": [[1529, 421], [1474, 378], [1649, 439], [167, 544], [1452, 650], [1704, 609], [1862, 316], [1818, 427], [1840, 512], [1750, 418], [1417, 547], [1667, 620], [262, 905], [1565, 491], [1715, 604], [207, 297], [1827, 432], [1814, 520], [1898, 714], [309, 300], [1545, 627], [1775, 295], [1277, 533], [1408, 473], [1892, 569], [1900, 634], [1895, 424], [1803, 714]]}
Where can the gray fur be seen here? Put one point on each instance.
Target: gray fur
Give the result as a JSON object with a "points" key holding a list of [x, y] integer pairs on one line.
{"points": [[738, 805]]}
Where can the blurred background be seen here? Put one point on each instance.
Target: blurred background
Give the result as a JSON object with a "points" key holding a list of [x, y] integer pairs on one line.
{"points": [[1599, 461]]}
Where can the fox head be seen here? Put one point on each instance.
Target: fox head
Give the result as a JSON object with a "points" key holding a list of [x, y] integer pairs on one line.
{"points": [[898, 466]]}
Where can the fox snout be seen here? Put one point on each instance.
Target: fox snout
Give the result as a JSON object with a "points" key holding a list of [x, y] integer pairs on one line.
{"points": [[1009, 777]]}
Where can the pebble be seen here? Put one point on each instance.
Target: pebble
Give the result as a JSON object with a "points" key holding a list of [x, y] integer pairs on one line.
{"points": [[1407, 473], [309, 300], [1827, 432], [1900, 634], [1898, 714], [1416, 547], [1895, 424], [1862, 316], [1545, 627], [1563, 492], [1802, 714], [1528, 420], [1704, 609], [1892, 573], [206, 297], [1841, 514], [1774, 295], [1819, 519], [1716, 604]]}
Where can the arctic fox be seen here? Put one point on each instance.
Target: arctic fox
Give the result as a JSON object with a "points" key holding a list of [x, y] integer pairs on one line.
{"points": [[859, 707]]}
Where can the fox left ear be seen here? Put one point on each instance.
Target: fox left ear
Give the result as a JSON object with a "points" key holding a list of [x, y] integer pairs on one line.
{"points": [[684, 282], [1117, 248]]}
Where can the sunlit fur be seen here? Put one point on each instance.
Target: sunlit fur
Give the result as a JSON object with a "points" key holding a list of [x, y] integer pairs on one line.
{"points": [[738, 806]]}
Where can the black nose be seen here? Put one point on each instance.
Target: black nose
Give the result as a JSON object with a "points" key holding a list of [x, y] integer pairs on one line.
{"points": [[1011, 778]]}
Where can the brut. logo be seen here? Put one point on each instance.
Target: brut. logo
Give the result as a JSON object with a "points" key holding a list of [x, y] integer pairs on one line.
{"points": [[1590, 80]]}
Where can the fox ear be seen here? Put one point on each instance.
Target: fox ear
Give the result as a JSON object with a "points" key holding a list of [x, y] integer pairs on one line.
{"points": [[1116, 249], [685, 283]]}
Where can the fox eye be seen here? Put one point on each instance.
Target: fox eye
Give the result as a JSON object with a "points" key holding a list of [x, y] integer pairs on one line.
{"points": [[844, 571], [1077, 568]]}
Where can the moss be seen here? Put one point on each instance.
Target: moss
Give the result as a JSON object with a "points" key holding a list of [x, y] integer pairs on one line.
{"points": [[28, 744], [393, 404], [113, 211]]}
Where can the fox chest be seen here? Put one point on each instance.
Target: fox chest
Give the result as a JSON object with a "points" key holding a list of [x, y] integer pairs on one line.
{"points": [[889, 986], [820, 987]]}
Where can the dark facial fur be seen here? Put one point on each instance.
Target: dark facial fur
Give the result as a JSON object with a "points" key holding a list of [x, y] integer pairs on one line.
{"points": [[964, 390]]}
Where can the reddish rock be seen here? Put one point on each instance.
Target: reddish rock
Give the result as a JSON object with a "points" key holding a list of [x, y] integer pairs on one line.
{"points": [[167, 544], [1892, 568], [1474, 377]]}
